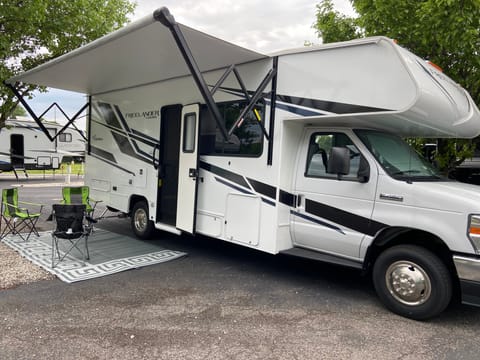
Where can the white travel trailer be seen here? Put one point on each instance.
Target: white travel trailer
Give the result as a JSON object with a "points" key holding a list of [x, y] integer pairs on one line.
{"points": [[23, 145], [295, 153]]}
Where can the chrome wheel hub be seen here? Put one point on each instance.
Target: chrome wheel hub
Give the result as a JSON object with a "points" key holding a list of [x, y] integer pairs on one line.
{"points": [[140, 220], [408, 283]]}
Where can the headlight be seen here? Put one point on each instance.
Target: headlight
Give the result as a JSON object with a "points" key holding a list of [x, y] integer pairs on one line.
{"points": [[474, 231]]}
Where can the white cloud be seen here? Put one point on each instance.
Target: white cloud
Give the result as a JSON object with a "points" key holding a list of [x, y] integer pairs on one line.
{"points": [[265, 26]]}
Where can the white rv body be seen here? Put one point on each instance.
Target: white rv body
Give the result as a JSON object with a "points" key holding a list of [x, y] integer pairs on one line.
{"points": [[23, 145], [155, 152]]}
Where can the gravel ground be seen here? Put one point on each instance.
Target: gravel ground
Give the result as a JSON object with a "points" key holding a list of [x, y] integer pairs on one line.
{"points": [[15, 270]]}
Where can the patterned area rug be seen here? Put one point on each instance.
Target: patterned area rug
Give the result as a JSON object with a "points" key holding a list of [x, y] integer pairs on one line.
{"points": [[110, 253]]}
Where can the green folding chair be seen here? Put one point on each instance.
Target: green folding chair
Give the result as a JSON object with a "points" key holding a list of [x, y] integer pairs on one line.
{"points": [[17, 218], [79, 195]]}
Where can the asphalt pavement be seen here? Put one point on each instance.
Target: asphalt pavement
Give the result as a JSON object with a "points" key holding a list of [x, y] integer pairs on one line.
{"points": [[222, 301]]}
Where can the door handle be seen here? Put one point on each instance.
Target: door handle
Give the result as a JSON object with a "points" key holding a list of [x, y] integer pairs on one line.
{"points": [[193, 173], [300, 200]]}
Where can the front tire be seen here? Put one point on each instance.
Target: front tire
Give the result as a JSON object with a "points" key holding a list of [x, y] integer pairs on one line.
{"points": [[412, 281], [141, 225]]}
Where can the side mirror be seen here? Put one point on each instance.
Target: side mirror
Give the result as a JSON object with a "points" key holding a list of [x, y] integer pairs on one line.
{"points": [[363, 173], [339, 161]]}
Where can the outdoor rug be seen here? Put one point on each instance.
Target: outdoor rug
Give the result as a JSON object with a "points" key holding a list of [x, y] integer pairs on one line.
{"points": [[110, 253]]}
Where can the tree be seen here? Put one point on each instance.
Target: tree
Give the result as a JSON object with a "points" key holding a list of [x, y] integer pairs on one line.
{"points": [[19, 111], [447, 32], [35, 31]]}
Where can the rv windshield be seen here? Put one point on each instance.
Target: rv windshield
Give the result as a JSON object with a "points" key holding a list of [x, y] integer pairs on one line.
{"points": [[398, 159]]}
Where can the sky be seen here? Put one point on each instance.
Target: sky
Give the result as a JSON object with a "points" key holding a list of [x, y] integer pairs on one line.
{"points": [[265, 26]]}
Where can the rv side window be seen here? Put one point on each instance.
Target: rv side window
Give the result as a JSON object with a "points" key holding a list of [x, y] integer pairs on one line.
{"points": [[246, 139], [318, 154], [65, 137]]}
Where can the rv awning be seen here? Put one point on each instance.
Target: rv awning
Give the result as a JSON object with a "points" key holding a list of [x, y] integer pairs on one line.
{"points": [[141, 53]]}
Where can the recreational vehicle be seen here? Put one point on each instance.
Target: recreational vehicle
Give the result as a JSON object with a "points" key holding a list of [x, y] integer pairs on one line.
{"points": [[297, 153], [23, 145]]}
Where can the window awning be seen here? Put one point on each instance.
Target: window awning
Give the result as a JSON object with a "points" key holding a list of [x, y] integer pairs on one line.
{"points": [[141, 53]]}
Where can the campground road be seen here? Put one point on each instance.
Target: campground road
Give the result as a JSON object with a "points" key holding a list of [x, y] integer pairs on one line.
{"points": [[222, 301]]}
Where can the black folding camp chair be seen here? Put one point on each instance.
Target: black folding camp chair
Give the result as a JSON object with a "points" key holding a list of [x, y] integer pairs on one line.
{"points": [[71, 227], [17, 217]]}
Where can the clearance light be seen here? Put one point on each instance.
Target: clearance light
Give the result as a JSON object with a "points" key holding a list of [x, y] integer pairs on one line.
{"points": [[432, 64]]}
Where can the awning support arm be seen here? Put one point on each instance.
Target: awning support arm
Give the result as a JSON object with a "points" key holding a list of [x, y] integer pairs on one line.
{"points": [[163, 16], [38, 119], [253, 101]]}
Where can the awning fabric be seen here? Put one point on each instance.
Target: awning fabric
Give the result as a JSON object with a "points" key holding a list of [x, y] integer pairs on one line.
{"points": [[141, 53]]}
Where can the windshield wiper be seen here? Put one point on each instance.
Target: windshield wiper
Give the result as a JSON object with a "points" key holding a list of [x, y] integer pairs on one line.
{"points": [[406, 172]]}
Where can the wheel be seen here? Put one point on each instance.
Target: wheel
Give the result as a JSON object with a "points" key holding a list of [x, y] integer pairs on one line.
{"points": [[141, 225], [412, 281]]}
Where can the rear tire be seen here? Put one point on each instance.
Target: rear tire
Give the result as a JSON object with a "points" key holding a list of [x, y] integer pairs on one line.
{"points": [[141, 225], [412, 281]]}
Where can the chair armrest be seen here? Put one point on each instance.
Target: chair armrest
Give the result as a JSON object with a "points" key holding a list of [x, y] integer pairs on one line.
{"points": [[31, 204]]}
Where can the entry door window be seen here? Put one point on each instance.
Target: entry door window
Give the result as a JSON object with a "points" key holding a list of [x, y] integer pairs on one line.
{"points": [[189, 132]]}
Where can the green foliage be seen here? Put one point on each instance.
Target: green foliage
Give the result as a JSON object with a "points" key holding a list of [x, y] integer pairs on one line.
{"points": [[35, 31], [19, 111], [446, 32], [333, 26]]}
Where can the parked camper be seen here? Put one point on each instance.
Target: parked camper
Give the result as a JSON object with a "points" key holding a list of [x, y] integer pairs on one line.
{"points": [[23, 145], [296, 153]]}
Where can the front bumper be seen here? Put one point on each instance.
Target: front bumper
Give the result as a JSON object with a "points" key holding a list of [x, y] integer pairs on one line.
{"points": [[468, 270]]}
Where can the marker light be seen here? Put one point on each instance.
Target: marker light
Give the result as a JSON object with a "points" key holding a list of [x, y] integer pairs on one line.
{"points": [[434, 66]]}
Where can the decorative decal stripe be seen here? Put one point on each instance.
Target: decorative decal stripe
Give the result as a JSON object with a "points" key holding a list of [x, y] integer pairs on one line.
{"points": [[112, 164], [231, 176], [330, 106], [264, 189], [233, 186], [102, 154], [106, 112], [146, 138], [344, 218], [309, 105], [240, 183], [287, 198], [129, 135], [355, 222], [317, 221], [297, 110], [266, 201], [125, 146]]}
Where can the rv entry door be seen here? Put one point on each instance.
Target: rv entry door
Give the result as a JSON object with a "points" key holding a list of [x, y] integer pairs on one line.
{"points": [[188, 169]]}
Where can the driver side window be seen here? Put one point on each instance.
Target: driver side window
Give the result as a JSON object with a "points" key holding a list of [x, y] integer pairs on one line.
{"points": [[318, 154]]}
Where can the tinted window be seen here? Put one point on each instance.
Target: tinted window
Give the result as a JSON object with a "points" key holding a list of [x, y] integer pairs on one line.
{"points": [[246, 139]]}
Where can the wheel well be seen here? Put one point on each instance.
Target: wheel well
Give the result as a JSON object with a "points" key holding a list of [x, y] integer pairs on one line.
{"points": [[133, 200], [405, 236]]}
